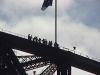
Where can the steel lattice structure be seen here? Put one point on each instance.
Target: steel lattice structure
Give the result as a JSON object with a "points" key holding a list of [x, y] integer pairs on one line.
{"points": [[43, 54]]}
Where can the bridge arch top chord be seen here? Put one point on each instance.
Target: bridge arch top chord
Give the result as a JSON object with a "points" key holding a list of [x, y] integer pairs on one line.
{"points": [[61, 47], [52, 54]]}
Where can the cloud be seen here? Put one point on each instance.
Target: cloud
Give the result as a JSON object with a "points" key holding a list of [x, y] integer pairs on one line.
{"points": [[76, 20], [12, 11], [39, 26], [84, 37], [86, 11]]}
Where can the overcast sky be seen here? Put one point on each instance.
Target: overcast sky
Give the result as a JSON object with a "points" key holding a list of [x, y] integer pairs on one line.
{"points": [[78, 23]]}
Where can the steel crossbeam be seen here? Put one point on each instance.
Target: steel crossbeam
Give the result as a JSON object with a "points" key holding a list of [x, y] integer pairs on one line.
{"points": [[50, 70], [34, 64], [10, 62], [27, 58]]}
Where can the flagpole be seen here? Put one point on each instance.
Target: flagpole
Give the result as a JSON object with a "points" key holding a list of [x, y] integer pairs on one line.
{"points": [[55, 21]]}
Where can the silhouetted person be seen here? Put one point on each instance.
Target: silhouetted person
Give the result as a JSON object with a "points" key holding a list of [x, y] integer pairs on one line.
{"points": [[74, 48], [56, 45], [39, 40], [35, 39], [50, 43], [29, 37], [44, 41]]}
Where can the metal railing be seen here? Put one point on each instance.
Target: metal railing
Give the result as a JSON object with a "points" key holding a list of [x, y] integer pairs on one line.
{"points": [[16, 34], [61, 47], [79, 53]]}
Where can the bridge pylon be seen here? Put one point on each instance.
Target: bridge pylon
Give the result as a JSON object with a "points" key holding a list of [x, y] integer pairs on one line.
{"points": [[63, 67], [63, 70]]}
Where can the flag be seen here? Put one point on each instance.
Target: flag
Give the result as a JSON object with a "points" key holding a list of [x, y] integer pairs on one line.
{"points": [[46, 3]]}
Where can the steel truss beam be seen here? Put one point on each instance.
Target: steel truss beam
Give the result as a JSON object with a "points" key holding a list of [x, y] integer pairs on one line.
{"points": [[10, 61], [35, 64], [27, 58], [50, 70]]}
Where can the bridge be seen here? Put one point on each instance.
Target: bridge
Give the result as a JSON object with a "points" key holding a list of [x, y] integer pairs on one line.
{"points": [[42, 55]]}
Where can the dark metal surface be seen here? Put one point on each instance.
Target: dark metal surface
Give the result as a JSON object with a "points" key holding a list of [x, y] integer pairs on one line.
{"points": [[52, 54], [10, 64]]}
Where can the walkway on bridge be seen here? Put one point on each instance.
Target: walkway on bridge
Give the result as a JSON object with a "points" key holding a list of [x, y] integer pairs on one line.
{"points": [[63, 59]]}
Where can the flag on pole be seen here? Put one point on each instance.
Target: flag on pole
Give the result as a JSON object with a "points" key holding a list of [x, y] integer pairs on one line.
{"points": [[46, 3]]}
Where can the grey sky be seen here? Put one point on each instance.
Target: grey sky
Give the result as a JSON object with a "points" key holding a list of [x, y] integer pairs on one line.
{"points": [[86, 11], [78, 22]]}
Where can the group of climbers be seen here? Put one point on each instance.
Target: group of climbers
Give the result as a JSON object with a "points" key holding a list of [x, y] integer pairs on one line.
{"points": [[42, 41]]}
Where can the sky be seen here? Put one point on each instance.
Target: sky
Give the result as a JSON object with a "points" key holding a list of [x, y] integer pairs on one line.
{"points": [[78, 23]]}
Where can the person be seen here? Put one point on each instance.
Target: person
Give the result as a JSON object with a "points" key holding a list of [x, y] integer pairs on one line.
{"points": [[44, 41], [39, 40], [74, 48], [29, 38], [35, 39], [50, 43], [56, 45]]}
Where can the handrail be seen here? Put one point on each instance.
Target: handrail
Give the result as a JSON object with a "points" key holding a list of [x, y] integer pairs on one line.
{"points": [[79, 53], [16, 34], [61, 47]]}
